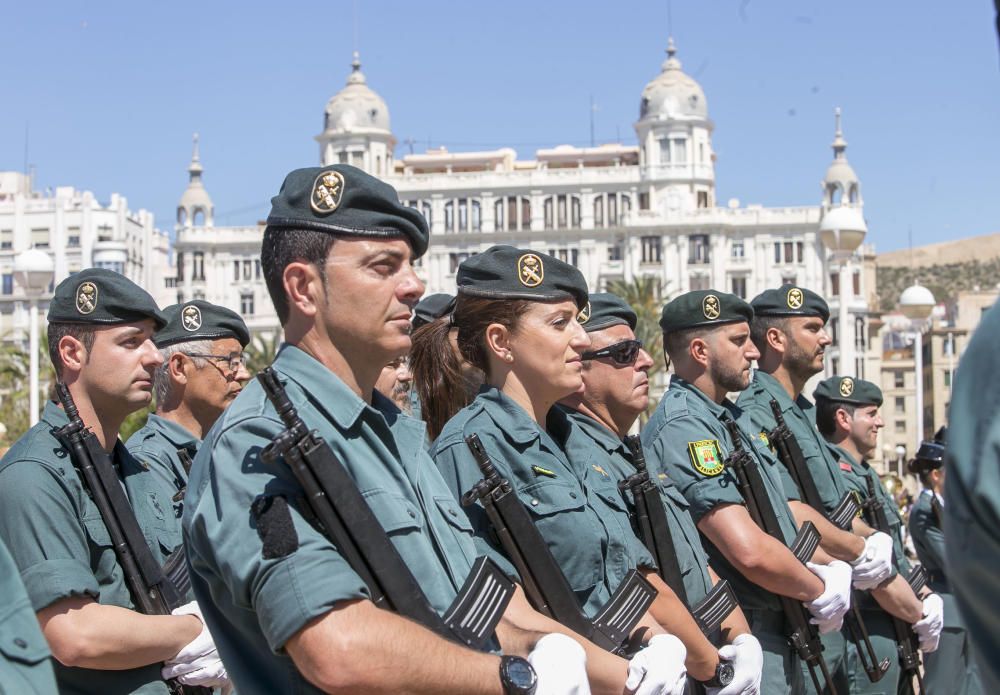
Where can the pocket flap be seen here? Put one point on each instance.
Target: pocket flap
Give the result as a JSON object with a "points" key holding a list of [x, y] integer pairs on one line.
{"points": [[453, 513], [394, 512], [544, 498], [20, 636]]}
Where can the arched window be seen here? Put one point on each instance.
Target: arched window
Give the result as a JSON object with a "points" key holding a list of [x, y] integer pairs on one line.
{"points": [[599, 211], [853, 195], [181, 216], [449, 217], [836, 193], [198, 217]]}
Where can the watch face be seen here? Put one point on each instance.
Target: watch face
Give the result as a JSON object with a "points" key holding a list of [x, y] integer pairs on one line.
{"points": [[726, 673], [517, 675]]}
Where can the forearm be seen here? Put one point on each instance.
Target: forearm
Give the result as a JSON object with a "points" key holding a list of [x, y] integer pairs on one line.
{"points": [[898, 599], [840, 544], [671, 613], [85, 634], [774, 568], [861, 528]]}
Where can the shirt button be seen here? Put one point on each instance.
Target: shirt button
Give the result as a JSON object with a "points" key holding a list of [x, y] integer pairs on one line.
{"points": [[534, 503], [20, 642], [413, 514], [452, 512], [572, 495]]}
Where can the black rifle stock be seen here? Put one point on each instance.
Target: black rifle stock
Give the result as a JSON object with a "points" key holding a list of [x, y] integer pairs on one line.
{"points": [[791, 456], [544, 582], [151, 590], [907, 644], [348, 521], [804, 636]]}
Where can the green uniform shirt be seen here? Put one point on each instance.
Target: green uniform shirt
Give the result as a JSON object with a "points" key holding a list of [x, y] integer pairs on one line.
{"points": [[156, 446], [604, 459], [62, 548], [687, 439], [24, 654], [256, 595], [800, 416], [585, 524]]}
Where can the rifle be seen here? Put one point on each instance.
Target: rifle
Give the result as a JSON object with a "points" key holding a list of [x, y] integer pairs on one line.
{"points": [[907, 643], [152, 592], [348, 522], [790, 453], [804, 635], [544, 583]]}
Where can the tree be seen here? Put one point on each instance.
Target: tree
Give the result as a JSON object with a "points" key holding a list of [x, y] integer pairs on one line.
{"points": [[15, 386], [262, 350]]}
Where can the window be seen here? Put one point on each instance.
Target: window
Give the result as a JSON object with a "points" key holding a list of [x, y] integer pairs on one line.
{"points": [[247, 270], [6, 239], [900, 426], [256, 269], [788, 251], [739, 287], [834, 326], [455, 260], [40, 238], [799, 249], [236, 271], [73, 237], [947, 378], [198, 266], [680, 150], [612, 209], [180, 269], [570, 256], [698, 282], [246, 304], [834, 284], [615, 251], [856, 281], [664, 151], [900, 402], [698, 249], [449, 216], [898, 379], [651, 249], [599, 211], [737, 250], [513, 213], [702, 199], [644, 201], [8, 283]]}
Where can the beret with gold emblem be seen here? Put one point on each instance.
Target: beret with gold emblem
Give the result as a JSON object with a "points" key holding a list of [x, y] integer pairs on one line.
{"points": [[847, 389], [790, 300], [341, 199], [432, 307], [97, 296], [605, 310], [505, 272], [703, 308], [200, 320]]}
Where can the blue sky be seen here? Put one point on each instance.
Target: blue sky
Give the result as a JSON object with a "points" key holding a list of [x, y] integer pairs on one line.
{"points": [[110, 93]]}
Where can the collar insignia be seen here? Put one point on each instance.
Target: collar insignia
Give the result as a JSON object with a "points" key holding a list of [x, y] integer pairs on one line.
{"points": [[86, 298], [530, 270], [327, 192]]}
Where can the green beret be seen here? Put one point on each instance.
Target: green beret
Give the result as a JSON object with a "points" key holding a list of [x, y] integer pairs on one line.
{"points": [[846, 389], [789, 300], [605, 310], [200, 320], [504, 272], [431, 308], [97, 296], [703, 308], [930, 457], [342, 199]]}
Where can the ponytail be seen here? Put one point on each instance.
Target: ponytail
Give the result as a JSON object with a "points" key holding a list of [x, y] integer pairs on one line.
{"points": [[437, 374]]}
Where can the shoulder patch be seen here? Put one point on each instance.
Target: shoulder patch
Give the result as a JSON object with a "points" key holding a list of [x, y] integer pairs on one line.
{"points": [[845, 466], [706, 456], [763, 438]]}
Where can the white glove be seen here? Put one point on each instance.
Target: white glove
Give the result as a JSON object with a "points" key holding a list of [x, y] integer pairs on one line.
{"points": [[561, 666], [198, 663], [748, 663], [928, 628], [874, 565], [828, 608], [658, 669]]}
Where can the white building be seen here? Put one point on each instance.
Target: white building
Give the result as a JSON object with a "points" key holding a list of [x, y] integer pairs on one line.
{"points": [[615, 211], [78, 232]]}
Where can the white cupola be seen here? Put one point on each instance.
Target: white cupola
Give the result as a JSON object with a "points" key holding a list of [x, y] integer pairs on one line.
{"points": [[195, 207], [840, 185]]}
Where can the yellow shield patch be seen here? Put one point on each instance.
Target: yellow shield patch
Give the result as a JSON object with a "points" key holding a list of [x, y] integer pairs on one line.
{"points": [[706, 457], [763, 438]]}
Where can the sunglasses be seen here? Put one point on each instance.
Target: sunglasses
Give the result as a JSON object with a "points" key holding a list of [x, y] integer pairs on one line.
{"points": [[623, 354]]}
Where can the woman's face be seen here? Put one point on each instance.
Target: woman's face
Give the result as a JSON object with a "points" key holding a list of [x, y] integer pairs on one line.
{"points": [[546, 346]]}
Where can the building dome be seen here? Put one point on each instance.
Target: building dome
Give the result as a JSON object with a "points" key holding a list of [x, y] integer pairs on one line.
{"points": [[840, 183], [195, 206], [356, 107], [672, 94]]}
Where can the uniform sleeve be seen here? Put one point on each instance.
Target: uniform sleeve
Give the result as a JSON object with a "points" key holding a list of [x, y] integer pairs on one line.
{"points": [[270, 559], [42, 530]]}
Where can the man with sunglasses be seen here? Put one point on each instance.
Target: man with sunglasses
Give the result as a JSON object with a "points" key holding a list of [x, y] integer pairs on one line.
{"points": [[615, 392], [203, 371]]}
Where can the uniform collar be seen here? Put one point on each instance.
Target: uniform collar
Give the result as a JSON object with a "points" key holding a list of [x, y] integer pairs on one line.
{"points": [[172, 432], [842, 454], [774, 389], [323, 388], [592, 428], [509, 417], [719, 410], [53, 415]]}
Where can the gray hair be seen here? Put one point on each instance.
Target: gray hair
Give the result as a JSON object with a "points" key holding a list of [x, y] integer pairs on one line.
{"points": [[162, 385]]}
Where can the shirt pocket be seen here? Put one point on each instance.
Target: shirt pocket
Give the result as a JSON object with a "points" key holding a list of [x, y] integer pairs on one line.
{"points": [[397, 515], [21, 639], [457, 522]]}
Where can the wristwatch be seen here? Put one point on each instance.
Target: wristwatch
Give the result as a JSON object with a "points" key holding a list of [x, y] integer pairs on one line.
{"points": [[518, 676], [724, 674]]}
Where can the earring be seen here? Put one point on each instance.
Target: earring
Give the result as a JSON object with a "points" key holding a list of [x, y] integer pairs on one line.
{"points": [[508, 357]]}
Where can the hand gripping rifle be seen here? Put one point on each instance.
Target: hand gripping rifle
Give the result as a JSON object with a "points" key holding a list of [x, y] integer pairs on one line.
{"points": [[347, 521], [907, 643], [804, 636], [544, 583], [790, 454], [151, 590]]}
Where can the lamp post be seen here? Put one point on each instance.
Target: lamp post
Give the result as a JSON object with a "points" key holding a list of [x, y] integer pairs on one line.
{"points": [[841, 231], [916, 303], [33, 272]]}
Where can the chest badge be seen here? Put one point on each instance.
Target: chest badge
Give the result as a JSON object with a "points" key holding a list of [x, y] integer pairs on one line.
{"points": [[706, 457], [599, 470], [763, 438], [538, 470]]}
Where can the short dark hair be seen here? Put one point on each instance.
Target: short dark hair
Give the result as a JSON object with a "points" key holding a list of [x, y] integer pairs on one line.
{"points": [[826, 415], [281, 247], [759, 327], [676, 342], [85, 333]]}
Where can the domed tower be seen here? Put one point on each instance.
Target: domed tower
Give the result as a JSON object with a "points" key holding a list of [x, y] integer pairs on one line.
{"points": [[195, 207], [675, 140], [840, 185], [356, 127]]}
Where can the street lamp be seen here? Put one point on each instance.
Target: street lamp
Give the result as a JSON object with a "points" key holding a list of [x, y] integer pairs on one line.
{"points": [[841, 231], [33, 272], [916, 303]]}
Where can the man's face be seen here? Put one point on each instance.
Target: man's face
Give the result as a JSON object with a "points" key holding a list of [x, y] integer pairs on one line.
{"points": [[865, 424], [118, 372], [623, 389], [394, 382], [806, 346], [731, 352], [211, 388], [371, 291]]}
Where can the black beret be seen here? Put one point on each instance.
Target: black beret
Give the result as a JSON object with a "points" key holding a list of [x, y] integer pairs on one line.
{"points": [[504, 272], [789, 300], [605, 310], [342, 199], [200, 320], [846, 389], [432, 307], [703, 308], [97, 296], [930, 456]]}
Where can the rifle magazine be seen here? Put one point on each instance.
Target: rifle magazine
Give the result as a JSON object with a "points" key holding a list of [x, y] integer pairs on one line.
{"points": [[480, 604]]}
